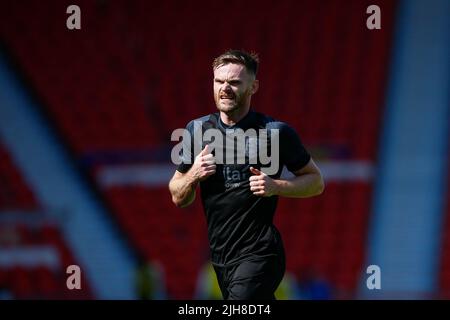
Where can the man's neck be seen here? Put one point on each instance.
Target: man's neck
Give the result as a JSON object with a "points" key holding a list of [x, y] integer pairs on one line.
{"points": [[230, 119]]}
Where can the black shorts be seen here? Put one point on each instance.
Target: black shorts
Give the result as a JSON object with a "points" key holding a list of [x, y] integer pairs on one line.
{"points": [[255, 279]]}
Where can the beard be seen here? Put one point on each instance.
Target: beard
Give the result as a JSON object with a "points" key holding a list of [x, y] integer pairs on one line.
{"points": [[231, 105]]}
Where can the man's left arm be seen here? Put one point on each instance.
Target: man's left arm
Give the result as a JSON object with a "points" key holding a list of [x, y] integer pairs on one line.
{"points": [[307, 182]]}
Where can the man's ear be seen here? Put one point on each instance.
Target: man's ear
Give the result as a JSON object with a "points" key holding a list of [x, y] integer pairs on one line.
{"points": [[255, 86]]}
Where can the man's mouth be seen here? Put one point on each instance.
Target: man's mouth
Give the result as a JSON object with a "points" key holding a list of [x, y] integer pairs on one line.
{"points": [[227, 97]]}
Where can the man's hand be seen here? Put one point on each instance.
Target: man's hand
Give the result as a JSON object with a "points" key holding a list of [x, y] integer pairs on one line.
{"points": [[261, 184], [307, 182], [182, 185], [204, 165]]}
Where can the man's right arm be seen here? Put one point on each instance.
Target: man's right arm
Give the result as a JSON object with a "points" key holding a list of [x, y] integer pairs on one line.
{"points": [[182, 185]]}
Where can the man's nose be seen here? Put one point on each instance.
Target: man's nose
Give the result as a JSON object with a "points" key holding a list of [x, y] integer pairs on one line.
{"points": [[226, 87]]}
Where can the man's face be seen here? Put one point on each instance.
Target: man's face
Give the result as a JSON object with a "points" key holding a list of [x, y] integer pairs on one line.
{"points": [[233, 87]]}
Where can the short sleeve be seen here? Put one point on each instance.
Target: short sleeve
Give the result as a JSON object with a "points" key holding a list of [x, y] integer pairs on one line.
{"points": [[186, 153], [293, 154]]}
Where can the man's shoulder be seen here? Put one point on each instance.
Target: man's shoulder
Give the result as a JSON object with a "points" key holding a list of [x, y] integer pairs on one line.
{"points": [[271, 123], [203, 119]]}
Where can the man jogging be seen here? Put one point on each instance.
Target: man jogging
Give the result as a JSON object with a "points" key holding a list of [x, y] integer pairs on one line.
{"points": [[239, 199]]}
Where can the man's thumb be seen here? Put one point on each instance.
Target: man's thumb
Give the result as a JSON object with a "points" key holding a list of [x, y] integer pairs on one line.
{"points": [[206, 150], [255, 171]]}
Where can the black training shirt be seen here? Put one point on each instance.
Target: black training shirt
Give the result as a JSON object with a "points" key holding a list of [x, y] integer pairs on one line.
{"points": [[240, 224]]}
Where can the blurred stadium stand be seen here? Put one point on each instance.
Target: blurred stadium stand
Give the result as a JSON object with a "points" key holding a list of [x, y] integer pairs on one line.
{"points": [[33, 253], [444, 267], [115, 90], [14, 193], [120, 93]]}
